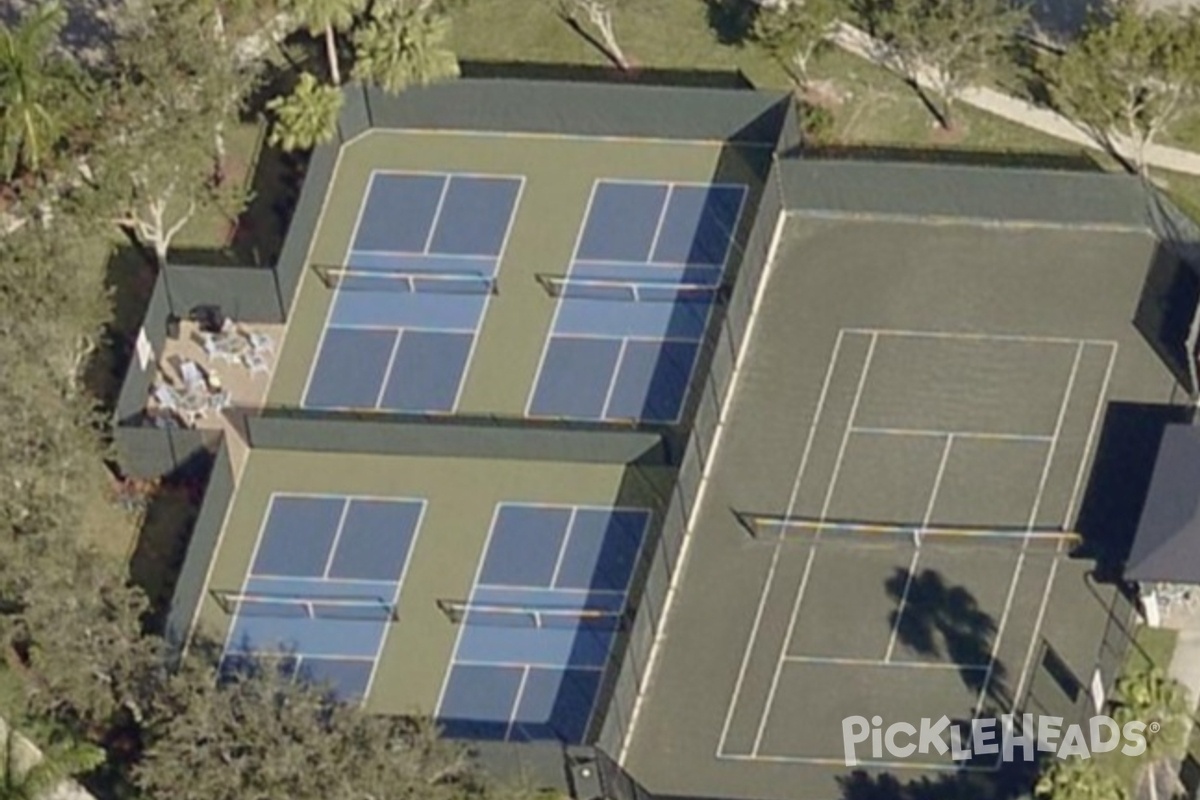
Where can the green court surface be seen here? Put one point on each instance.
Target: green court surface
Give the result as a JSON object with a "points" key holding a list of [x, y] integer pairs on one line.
{"points": [[897, 374], [559, 173], [461, 497]]}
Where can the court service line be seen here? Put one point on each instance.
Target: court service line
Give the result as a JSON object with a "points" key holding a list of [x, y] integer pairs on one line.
{"points": [[558, 303], [933, 433], [437, 212], [258, 539], [487, 543], [337, 537], [391, 363], [562, 547], [874, 662], [516, 706], [1091, 437], [387, 626], [1037, 627], [662, 215], [865, 762], [970, 336], [612, 382], [337, 291], [735, 697], [912, 564], [812, 552], [739, 362], [1032, 520], [497, 262]]}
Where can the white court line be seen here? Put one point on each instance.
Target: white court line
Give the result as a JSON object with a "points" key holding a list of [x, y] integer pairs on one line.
{"points": [[1037, 627], [912, 564], [929, 766], [487, 542], [497, 262], [387, 373], [337, 537], [874, 662], [1032, 520], [735, 697], [324, 581], [387, 628], [558, 304], [812, 553], [437, 212], [562, 547], [933, 433], [612, 382], [516, 706], [258, 539], [1091, 437], [662, 215], [702, 490], [362, 207], [968, 336], [557, 666]]}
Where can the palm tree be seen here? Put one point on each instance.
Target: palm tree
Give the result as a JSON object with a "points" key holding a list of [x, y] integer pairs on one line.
{"points": [[325, 17], [32, 85], [402, 46], [1077, 779], [307, 117], [25, 777], [1162, 703]]}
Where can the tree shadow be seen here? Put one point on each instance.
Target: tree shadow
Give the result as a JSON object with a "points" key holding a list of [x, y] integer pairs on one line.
{"points": [[731, 20], [1011, 781], [944, 622]]}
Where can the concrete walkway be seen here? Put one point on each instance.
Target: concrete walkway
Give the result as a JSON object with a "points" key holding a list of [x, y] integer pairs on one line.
{"points": [[1014, 109]]}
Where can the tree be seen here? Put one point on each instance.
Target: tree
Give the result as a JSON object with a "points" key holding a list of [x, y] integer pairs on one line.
{"points": [[263, 735], [307, 117], [1129, 77], [1077, 779], [599, 14], [944, 44], [1161, 702], [326, 18], [152, 170], [796, 32], [25, 776], [402, 45], [34, 86]]}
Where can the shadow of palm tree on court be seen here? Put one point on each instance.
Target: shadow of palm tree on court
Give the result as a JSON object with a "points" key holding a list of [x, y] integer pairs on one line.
{"points": [[943, 622]]}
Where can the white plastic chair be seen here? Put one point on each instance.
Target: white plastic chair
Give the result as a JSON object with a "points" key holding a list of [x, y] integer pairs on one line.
{"points": [[166, 397], [256, 363], [192, 377], [261, 343]]}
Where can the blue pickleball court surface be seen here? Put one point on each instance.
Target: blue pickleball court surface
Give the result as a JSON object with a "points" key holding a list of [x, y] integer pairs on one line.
{"points": [[637, 300], [322, 587], [541, 621], [405, 345]]}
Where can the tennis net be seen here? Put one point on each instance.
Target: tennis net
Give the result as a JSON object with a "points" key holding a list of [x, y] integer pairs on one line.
{"points": [[519, 616], [565, 286], [773, 527], [365, 280], [366, 609]]}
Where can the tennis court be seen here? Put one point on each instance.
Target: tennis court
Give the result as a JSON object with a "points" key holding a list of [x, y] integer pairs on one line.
{"points": [[554, 277], [890, 510], [540, 622], [635, 302], [322, 587], [408, 304], [489, 594]]}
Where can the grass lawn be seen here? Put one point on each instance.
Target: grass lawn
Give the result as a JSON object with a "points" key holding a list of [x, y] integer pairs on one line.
{"points": [[876, 108]]}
